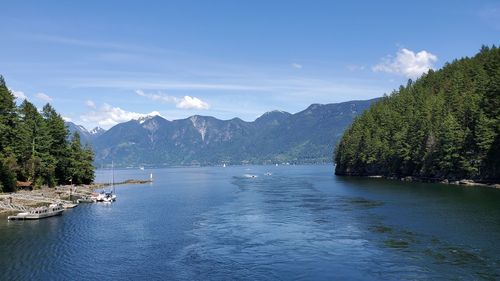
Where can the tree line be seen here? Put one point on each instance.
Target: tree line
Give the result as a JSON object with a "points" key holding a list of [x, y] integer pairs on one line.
{"points": [[445, 125], [35, 146]]}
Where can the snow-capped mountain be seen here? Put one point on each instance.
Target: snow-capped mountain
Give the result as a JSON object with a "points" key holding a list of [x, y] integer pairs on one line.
{"points": [[86, 136]]}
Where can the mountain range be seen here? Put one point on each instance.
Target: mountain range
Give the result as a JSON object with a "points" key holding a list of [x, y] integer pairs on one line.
{"points": [[308, 136], [86, 136]]}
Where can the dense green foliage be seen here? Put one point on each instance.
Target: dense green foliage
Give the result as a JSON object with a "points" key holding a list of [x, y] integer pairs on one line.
{"points": [[445, 125], [34, 146]]}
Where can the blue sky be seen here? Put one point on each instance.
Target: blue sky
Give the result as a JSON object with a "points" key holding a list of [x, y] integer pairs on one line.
{"points": [[103, 62]]}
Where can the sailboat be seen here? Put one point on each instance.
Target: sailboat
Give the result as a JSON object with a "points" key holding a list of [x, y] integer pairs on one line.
{"points": [[108, 196], [112, 196]]}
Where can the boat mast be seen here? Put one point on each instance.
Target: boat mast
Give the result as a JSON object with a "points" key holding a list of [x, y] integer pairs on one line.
{"points": [[113, 175]]}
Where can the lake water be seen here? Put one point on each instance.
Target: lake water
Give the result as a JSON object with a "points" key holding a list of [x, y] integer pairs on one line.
{"points": [[300, 223]]}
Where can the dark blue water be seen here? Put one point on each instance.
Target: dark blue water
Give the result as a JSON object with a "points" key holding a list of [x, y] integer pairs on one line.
{"points": [[300, 223]]}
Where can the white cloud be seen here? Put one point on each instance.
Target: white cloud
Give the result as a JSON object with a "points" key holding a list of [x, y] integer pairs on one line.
{"points": [[90, 104], [67, 119], [108, 116], [296, 65], [44, 97], [187, 102], [19, 95], [407, 63]]}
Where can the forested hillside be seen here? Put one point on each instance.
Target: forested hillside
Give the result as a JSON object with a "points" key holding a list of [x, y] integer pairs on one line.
{"points": [[34, 146], [445, 125]]}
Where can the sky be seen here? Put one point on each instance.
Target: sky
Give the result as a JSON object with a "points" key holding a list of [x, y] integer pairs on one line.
{"points": [[100, 63]]}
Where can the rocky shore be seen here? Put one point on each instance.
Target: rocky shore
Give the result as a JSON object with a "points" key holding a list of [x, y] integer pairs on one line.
{"points": [[463, 182], [46, 195], [43, 196]]}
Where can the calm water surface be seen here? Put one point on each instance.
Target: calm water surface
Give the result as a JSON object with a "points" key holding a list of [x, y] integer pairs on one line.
{"points": [[300, 223]]}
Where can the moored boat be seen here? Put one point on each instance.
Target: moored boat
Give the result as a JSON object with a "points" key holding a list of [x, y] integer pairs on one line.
{"points": [[40, 212], [106, 197], [86, 200], [69, 205]]}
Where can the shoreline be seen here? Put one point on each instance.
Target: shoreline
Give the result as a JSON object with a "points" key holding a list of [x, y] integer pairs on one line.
{"points": [[43, 196], [46, 195], [462, 182]]}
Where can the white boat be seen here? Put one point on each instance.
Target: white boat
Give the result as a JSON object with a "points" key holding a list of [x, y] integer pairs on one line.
{"points": [[70, 205], [108, 196], [100, 197], [39, 213], [112, 194], [86, 200]]}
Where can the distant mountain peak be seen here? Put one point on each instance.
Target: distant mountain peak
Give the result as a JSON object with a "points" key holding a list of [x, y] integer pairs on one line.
{"points": [[274, 117], [86, 136], [273, 112], [314, 106], [81, 128], [97, 131], [144, 119]]}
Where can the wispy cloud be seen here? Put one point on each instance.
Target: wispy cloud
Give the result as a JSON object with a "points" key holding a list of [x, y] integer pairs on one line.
{"points": [[90, 104], [19, 95], [43, 97], [108, 116], [97, 44], [407, 63], [278, 85], [186, 102], [199, 80], [355, 67], [119, 83], [157, 97]]}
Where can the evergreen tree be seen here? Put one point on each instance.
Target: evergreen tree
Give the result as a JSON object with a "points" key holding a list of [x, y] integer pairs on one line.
{"points": [[7, 133], [81, 168], [451, 140], [444, 125], [58, 132], [7, 116], [88, 168], [34, 147]]}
